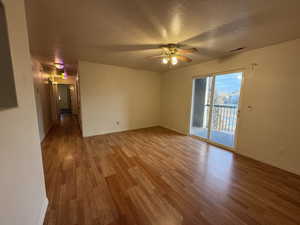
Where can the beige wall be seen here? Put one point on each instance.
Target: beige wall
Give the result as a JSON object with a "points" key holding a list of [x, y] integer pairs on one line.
{"points": [[110, 94], [54, 103], [270, 132], [22, 190], [78, 102], [74, 102], [43, 96]]}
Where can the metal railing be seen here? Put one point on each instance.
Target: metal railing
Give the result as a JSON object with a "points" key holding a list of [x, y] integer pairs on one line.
{"points": [[224, 117]]}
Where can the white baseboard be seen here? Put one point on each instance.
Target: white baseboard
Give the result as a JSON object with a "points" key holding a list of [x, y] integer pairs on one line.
{"points": [[118, 131], [46, 132], [180, 132], [43, 212]]}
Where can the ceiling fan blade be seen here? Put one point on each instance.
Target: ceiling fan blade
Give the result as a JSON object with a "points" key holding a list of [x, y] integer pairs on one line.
{"points": [[125, 48], [154, 56], [188, 51], [206, 52], [184, 58]]}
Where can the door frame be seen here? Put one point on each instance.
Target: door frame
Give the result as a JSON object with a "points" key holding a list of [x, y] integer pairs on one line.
{"points": [[69, 96], [213, 75]]}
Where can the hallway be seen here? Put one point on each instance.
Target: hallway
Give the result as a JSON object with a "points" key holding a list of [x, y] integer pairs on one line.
{"points": [[156, 176]]}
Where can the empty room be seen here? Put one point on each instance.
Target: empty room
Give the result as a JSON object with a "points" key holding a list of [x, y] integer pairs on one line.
{"points": [[178, 112]]}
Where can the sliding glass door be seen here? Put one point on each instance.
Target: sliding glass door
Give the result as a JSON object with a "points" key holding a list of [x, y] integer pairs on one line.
{"points": [[202, 108], [215, 108]]}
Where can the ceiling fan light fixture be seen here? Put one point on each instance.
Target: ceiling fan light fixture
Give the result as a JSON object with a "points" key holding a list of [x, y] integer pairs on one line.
{"points": [[59, 66], [165, 60], [64, 76], [174, 60]]}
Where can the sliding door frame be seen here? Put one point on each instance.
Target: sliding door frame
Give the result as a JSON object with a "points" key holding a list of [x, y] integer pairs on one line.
{"points": [[213, 76]]}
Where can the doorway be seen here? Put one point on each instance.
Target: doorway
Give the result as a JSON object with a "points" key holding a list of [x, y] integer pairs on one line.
{"points": [[64, 99], [215, 108]]}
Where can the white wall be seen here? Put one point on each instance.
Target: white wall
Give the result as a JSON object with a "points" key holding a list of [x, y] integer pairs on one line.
{"points": [[42, 90], [270, 132], [74, 102], [22, 190], [110, 94], [78, 102], [54, 103]]}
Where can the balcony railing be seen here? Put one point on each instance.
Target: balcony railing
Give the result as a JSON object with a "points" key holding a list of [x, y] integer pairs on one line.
{"points": [[224, 117]]}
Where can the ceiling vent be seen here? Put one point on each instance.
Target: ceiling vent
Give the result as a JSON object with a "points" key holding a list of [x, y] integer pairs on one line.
{"points": [[237, 49]]}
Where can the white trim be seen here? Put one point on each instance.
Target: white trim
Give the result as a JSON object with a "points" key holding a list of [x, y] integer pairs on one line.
{"points": [[173, 129], [212, 104], [43, 211], [224, 147], [47, 132], [242, 68], [192, 107], [119, 131], [236, 133], [213, 75]]}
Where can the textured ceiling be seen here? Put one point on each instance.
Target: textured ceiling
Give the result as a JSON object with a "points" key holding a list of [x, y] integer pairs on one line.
{"points": [[123, 32]]}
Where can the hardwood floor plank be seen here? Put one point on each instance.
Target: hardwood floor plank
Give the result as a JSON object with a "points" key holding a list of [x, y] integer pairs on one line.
{"points": [[155, 176]]}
